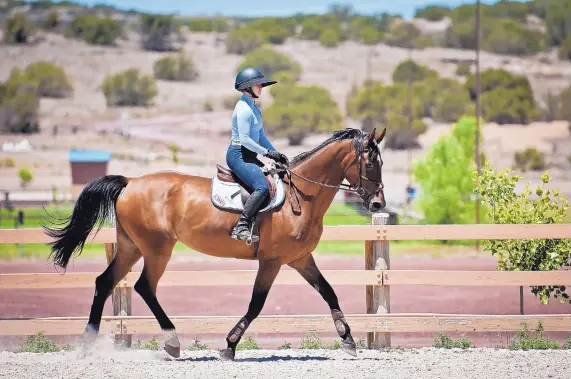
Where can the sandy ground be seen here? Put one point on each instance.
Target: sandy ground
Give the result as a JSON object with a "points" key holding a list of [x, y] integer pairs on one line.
{"points": [[419, 363], [227, 300]]}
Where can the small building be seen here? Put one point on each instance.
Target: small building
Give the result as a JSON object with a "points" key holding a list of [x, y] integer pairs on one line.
{"points": [[86, 165]]}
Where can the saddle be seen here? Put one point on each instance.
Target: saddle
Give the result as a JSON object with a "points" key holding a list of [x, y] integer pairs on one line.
{"points": [[226, 186]]}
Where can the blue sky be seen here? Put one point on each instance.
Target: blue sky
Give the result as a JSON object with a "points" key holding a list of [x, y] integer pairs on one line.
{"points": [[273, 7]]}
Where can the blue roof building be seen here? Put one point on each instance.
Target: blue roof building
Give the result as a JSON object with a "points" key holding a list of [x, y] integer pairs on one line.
{"points": [[86, 165]]}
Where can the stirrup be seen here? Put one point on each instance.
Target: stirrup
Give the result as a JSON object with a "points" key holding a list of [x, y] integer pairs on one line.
{"points": [[241, 233]]}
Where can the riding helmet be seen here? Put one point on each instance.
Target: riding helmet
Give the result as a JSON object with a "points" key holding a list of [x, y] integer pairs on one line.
{"points": [[249, 77]]}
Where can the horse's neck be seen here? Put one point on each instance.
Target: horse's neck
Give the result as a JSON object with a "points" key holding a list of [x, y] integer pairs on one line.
{"points": [[325, 167]]}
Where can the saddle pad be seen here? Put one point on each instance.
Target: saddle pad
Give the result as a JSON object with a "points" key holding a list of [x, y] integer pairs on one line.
{"points": [[228, 195]]}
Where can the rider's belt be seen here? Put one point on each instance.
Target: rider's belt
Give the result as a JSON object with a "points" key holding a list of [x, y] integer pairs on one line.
{"points": [[236, 143]]}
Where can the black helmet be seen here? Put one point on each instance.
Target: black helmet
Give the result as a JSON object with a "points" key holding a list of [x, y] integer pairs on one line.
{"points": [[249, 77]]}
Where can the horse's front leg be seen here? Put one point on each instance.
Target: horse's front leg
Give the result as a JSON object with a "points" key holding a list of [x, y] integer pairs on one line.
{"points": [[307, 268], [267, 272]]}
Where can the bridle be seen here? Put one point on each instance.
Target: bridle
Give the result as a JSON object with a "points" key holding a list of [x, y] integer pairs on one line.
{"points": [[355, 188]]}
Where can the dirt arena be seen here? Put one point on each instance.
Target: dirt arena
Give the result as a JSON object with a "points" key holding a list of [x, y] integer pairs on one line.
{"points": [[227, 300]]}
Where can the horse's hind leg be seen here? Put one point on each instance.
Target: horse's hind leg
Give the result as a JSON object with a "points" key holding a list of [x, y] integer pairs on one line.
{"points": [[267, 272], [156, 260], [307, 268], [127, 255]]}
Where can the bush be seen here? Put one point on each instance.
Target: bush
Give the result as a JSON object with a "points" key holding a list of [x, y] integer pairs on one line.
{"points": [[565, 49], [497, 189], [299, 111], [51, 21], [563, 107], [330, 38], [243, 40], [50, 79], [463, 69], [538, 341], [25, 176], [94, 30], [203, 24], [274, 30], [270, 62], [506, 98], [407, 35], [157, 32], [529, 159], [432, 12], [175, 68], [17, 29], [417, 72], [19, 105], [129, 88], [558, 22], [443, 341]]}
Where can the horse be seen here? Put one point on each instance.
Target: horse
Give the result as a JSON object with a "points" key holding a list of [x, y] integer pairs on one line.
{"points": [[154, 211]]}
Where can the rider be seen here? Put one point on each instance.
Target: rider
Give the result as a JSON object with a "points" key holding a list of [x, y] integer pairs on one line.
{"points": [[248, 139]]}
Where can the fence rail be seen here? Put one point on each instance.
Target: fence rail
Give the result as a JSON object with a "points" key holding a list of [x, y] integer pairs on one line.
{"points": [[378, 277]]}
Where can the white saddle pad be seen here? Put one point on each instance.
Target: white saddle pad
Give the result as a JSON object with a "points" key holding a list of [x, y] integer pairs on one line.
{"points": [[228, 195]]}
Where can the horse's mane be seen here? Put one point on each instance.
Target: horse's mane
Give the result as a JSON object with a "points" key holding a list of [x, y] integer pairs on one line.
{"points": [[338, 135]]}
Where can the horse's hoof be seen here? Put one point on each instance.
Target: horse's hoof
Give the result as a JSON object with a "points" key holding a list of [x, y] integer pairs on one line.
{"points": [[349, 347], [172, 346], [227, 355]]}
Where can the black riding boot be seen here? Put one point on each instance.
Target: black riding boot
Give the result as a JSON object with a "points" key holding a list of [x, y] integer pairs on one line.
{"points": [[243, 229]]}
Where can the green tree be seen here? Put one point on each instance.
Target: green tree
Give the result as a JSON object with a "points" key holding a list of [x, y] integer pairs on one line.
{"points": [[157, 32], [432, 12], [50, 79], [444, 176], [94, 30], [243, 40], [17, 28], [19, 104], [270, 62], [175, 68], [417, 72], [298, 111], [497, 189], [129, 88]]}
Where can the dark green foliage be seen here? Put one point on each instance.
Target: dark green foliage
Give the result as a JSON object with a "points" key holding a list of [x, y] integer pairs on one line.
{"points": [[330, 38], [432, 12], [129, 88], [416, 71], [529, 159], [558, 21], [51, 21], [94, 30], [157, 32], [298, 111], [443, 341], [506, 98], [537, 341], [404, 34], [270, 62], [463, 69], [175, 68], [272, 30], [565, 49], [243, 40], [503, 36], [206, 24], [312, 28], [19, 104], [17, 29]]}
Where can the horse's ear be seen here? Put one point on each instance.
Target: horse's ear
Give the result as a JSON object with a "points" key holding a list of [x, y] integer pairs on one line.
{"points": [[381, 135], [371, 137]]}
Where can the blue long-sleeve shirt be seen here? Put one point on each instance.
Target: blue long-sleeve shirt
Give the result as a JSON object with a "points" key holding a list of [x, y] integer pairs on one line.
{"points": [[248, 126]]}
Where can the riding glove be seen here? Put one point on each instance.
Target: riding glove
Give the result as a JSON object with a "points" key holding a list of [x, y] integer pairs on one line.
{"points": [[278, 157]]}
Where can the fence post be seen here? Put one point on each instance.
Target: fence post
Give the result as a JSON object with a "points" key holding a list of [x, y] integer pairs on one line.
{"points": [[378, 297], [121, 298]]}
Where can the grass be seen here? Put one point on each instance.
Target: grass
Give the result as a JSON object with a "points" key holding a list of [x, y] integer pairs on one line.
{"points": [[338, 214]]}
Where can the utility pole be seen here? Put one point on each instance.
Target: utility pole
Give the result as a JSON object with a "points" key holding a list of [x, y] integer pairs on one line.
{"points": [[478, 112]]}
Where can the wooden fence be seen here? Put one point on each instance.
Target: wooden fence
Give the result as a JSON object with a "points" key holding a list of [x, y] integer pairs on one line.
{"points": [[378, 277]]}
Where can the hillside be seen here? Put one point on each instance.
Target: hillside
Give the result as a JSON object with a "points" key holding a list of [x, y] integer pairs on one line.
{"points": [[332, 52]]}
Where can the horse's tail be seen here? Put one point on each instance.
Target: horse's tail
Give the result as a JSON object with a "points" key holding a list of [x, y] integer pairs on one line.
{"points": [[95, 203]]}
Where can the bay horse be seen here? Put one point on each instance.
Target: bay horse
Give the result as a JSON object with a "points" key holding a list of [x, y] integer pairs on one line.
{"points": [[154, 211]]}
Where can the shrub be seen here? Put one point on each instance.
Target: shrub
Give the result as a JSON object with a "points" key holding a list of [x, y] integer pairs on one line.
{"points": [[51, 21], [506, 98], [19, 105], [432, 12], [203, 24], [463, 69], [537, 341], [157, 32], [39, 344], [369, 36], [529, 159], [274, 30], [94, 30], [330, 38], [50, 79], [564, 106], [129, 88], [406, 35], [17, 29], [242, 40], [443, 341], [558, 22], [248, 343], [175, 68], [299, 111], [25, 176], [497, 189], [417, 72], [270, 62], [565, 49]]}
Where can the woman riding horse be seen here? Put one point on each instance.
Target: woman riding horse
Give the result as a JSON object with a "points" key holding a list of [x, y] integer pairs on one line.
{"points": [[248, 139]]}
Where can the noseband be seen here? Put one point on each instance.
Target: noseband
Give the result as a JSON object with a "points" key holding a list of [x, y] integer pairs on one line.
{"points": [[355, 188]]}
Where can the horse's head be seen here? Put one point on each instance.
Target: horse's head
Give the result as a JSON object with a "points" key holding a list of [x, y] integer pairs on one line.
{"points": [[364, 172]]}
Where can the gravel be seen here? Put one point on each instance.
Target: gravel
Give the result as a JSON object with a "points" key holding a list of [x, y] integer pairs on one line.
{"points": [[423, 363]]}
